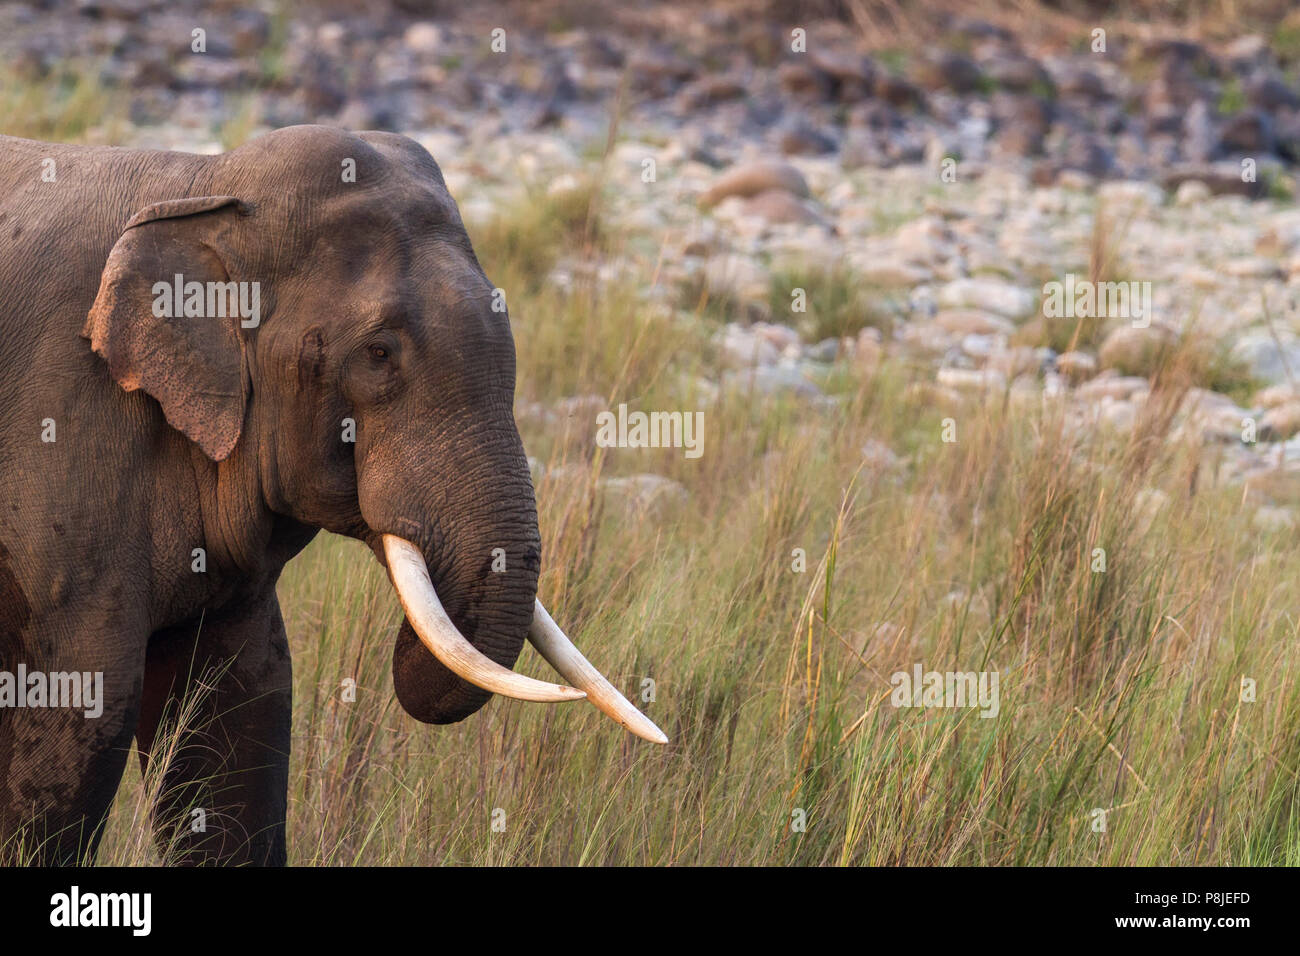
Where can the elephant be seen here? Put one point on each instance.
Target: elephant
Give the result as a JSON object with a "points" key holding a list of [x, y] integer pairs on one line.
{"points": [[204, 360]]}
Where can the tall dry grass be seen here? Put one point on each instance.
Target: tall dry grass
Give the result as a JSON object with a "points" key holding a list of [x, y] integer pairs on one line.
{"points": [[1120, 689]]}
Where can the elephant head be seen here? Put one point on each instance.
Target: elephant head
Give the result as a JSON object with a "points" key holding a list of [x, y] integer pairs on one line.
{"points": [[371, 394]]}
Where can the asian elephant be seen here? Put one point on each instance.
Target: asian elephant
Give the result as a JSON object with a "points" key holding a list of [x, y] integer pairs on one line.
{"points": [[203, 361]]}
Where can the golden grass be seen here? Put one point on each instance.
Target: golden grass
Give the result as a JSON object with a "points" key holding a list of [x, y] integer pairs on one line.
{"points": [[1120, 689], [68, 106]]}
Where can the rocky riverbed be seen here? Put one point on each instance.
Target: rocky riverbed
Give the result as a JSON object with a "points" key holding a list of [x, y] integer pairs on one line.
{"points": [[943, 190]]}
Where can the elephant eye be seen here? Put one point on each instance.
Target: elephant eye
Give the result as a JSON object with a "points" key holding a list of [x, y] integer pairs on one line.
{"points": [[379, 353]]}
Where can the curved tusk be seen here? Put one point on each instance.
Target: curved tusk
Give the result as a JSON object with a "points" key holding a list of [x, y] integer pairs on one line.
{"points": [[551, 643], [437, 632]]}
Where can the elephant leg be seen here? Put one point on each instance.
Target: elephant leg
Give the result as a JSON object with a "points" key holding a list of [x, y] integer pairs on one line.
{"points": [[216, 709], [61, 761]]}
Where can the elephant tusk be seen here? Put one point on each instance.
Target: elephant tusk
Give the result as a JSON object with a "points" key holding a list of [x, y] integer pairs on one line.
{"points": [[552, 644], [437, 632]]}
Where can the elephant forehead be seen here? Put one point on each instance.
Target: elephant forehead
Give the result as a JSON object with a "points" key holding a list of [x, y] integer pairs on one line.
{"points": [[398, 203], [374, 232], [413, 270]]}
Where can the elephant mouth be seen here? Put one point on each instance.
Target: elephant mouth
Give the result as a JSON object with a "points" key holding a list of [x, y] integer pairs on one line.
{"points": [[435, 630]]}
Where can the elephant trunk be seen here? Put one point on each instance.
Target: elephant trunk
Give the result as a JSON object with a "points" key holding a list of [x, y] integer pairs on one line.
{"points": [[466, 573], [467, 580]]}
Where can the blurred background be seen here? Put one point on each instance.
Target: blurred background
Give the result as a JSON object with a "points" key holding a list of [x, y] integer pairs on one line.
{"points": [[830, 227], [1172, 83]]}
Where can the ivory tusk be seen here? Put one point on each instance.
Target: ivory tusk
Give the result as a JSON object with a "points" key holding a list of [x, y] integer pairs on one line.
{"points": [[437, 632], [552, 644]]}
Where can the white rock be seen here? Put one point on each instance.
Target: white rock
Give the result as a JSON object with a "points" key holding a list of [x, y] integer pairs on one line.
{"points": [[1119, 414], [1136, 351], [1076, 366], [1252, 267], [1191, 192], [1267, 360], [1018, 361], [972, 379], [645, 493], [1200, 277], [423, 37], [1271, 519], [927, 338], [980, 346], [563, 183], [893, 274], [771, 380], [927, 241], [782, 336], [1135, 194], [991, 295], [1111, 385], [972, 322], [1275, 395], [1210, 417], [1280, 422], [743, 347]]}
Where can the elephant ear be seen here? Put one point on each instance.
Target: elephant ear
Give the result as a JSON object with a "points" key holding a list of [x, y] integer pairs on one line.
{"points": [[193, 366]]}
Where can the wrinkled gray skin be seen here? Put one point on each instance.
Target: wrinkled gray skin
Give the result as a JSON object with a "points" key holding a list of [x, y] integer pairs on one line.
{"points": [[176, 434]]}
